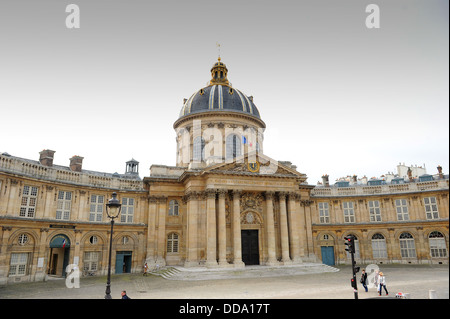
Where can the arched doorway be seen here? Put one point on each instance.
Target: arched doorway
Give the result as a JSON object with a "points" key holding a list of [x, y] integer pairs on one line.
{"points": [[59, 255]]}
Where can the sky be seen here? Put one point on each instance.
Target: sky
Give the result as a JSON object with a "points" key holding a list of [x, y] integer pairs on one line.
{"points": [[337, 97]]}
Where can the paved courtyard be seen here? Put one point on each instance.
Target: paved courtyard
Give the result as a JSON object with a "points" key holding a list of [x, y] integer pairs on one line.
{"points": [[310, 281]]}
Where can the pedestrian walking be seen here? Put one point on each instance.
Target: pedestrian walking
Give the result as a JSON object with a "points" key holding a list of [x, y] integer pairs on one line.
{"points": [[376, 277], [145, 269], [382, 283], [364, 279], [124, 295]]}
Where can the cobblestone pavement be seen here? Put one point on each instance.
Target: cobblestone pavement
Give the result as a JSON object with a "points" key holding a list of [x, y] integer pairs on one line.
{"points": [[256, 282]]}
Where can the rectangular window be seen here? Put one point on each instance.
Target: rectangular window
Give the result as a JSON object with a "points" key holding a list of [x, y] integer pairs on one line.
{"points": [[431, 209], [18, 264], [407, 248], [28, 203], [96, 208], [349, 212], [402, 209], [127, 212], [438, 248], [379, 248], [91, 260], [324, 213], [374, 211], [64, 205]]}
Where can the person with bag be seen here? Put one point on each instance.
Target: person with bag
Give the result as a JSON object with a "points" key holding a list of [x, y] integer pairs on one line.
{"points": [[364, 279], [382, 283]]}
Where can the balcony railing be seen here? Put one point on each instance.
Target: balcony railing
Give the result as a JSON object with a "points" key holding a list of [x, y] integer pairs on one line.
{"points": [[26, 168]]}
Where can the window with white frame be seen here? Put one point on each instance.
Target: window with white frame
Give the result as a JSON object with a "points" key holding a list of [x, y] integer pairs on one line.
{"points": [[349, 212], [172, 243], [438, 247], [374, 211], [127, 211], [199, 149], [64, 205], [324, 213], [407, 246], [22, 239], [173, 208], [431, 209], [402, 209], [233, 146], [379, 246], [96, 208], [28, 203], [91, 261], [18, 264]]}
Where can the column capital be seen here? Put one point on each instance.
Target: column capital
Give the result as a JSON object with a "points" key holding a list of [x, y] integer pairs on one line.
{"points": [[294, 196], [237, 193], [192, 195], [269, 194], [210, 193], [222, 192], [282, 195]]}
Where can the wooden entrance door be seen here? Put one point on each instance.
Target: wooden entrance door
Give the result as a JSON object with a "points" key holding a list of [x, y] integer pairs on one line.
{"points": [[327, 255], [250, 246]]}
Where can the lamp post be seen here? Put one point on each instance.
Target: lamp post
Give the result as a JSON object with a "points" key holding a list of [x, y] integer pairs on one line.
{"points": [[112, 210]]}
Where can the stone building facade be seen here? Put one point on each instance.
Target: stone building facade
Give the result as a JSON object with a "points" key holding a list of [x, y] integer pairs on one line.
{"points": [[224, 204]]}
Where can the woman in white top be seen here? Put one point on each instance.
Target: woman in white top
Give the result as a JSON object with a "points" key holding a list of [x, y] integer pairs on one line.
{"points": [[382, 283]]}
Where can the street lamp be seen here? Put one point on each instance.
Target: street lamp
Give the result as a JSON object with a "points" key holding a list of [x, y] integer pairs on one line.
{"points": [[112, 210]]}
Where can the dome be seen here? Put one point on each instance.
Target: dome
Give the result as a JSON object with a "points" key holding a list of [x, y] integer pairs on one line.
{"points": [[219, 96]]}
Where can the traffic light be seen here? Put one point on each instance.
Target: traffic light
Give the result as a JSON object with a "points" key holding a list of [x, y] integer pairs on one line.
{"points": [[355, 269], [350, 243], [353, 283]]}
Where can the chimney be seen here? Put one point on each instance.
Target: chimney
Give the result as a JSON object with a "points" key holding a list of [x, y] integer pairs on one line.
{"points": [[439, 168], [355, 179], [410, 174], [76, 163], [46, 157], [325, 180]]}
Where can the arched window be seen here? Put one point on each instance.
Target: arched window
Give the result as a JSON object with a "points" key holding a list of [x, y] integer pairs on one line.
{"points": [[407, 246], [379, 246], [199, 149], [438, 247], [172, 243], [173, 208], [233, 146]]}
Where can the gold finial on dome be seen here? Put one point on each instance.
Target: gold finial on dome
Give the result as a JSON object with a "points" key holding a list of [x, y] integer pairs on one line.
{"points": [[219, 73]]}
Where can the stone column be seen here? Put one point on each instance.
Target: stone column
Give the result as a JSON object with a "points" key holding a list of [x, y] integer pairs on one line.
{"points": [[151, 231], [270, 230], [222, 231], [161, 239], [236, 224], [211, 245], [4, 238], [41, 250], [49, 211], [284, 229], [192, 234], [309, 236], [302, 227], [294, 239]]}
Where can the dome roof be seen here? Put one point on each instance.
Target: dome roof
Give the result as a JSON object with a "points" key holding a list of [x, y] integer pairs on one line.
{"points": [[219, 96]]}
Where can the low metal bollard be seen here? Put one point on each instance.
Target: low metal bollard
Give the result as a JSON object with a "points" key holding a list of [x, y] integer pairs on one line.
{"points": [[432, 294]]}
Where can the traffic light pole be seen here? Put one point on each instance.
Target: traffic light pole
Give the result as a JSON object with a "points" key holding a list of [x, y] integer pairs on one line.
{"points": [[355, 289]]}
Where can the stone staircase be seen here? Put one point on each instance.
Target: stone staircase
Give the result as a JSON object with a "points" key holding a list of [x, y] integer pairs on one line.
{"points": [[166, 272]]}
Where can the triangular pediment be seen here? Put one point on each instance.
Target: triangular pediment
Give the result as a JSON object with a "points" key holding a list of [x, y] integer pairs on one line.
{"points": [[257, 164]]}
